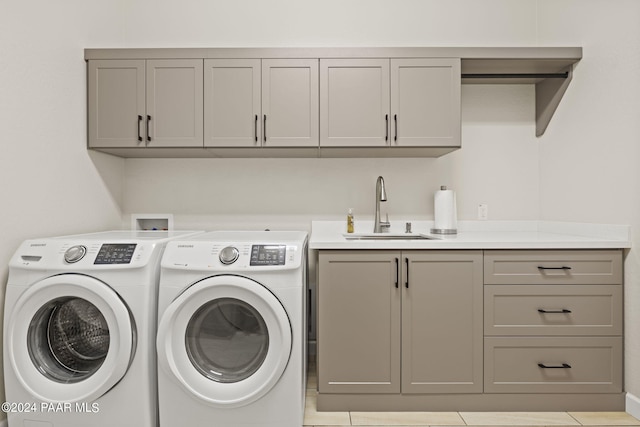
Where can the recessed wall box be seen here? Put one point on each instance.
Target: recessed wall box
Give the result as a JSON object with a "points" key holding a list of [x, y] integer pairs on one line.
{"points": [[152, 222]]}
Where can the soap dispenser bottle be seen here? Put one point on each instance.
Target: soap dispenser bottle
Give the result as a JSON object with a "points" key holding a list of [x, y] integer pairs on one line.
{"points": [[350, 221]]}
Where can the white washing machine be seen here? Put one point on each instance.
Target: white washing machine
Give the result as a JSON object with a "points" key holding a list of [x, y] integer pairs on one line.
{"points": [[232, 330], [79, 330]]}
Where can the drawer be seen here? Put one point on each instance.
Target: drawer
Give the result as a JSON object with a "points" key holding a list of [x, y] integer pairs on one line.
{"points": [[558, 267], [553, 365], [552, 310]]}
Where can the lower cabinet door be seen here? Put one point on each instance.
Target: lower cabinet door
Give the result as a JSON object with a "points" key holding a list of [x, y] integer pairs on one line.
{"points": [[358, 322], [553, 365], [442, 322]]}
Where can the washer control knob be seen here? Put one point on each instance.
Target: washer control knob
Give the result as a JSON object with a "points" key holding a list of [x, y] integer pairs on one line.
{"points": [[75, 254], [229, 255]]}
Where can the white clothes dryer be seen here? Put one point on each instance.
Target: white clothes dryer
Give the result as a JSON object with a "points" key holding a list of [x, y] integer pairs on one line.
{"points": [[232, 330], [79, 330]]}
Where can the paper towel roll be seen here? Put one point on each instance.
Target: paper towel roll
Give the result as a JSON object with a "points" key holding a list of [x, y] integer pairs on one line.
{"points": [[445, 216]]}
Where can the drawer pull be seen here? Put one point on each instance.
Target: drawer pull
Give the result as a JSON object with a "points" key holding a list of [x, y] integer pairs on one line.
{"points": [[564, 267], [563, 311], [563, 366]]}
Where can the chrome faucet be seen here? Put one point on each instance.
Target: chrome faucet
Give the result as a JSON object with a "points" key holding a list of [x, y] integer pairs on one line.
{"points": [[381, 196]]}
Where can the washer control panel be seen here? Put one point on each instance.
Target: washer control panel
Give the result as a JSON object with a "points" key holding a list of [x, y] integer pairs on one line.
{"points": [[268, 255], [115, 253]]}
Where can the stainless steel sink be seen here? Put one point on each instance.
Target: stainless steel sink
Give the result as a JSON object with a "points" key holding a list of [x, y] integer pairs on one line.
{"points": [[387, 236]]}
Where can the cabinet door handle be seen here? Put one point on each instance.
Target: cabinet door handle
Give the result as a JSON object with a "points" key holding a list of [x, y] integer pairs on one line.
{"points": [[255, 128], [139, 123], [406, 284], [395, 121], [264, 128], [564, 310], [564, 267], [386, 127], [563, 366], [148, 121], [397, 272]]}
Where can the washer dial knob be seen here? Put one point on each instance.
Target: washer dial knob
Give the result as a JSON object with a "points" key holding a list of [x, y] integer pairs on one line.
{"points": [[75, 254], [229, 255]]}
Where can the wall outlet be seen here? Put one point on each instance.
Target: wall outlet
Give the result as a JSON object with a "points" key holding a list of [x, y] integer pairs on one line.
{"points": [[483, 212]]}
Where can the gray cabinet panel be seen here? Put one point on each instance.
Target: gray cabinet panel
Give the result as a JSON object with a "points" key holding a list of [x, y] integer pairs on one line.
{"points": [[232, 103], [116, 103], [358, 322], [442, 322], [425, 102], [354, 102], [553, 365], [553, 310], [174, 103], [580, 267], [290, 102]]}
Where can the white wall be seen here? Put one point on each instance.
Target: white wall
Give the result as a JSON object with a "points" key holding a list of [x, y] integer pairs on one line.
{"points": [[590, 155], [49, 183]]}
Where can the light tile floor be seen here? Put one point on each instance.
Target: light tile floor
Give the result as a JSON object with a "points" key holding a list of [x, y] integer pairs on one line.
{"points": [[313, 418]]}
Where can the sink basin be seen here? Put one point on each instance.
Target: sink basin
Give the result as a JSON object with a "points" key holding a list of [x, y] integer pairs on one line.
{"points": [[388, 236]]}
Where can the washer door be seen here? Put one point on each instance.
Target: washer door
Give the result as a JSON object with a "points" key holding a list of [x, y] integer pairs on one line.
{"points": [[226, 340], [71, 338]]}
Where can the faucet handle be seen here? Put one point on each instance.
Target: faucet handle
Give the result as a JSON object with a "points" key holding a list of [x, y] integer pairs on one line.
{"points": [[407, 227]]}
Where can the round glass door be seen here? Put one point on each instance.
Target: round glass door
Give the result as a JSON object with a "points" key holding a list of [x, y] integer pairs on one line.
{"points": [[70, 338], [225, 339]]}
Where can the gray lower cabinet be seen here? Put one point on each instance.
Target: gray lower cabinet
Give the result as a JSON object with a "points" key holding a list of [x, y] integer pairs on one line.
{"points": [[400, 322], [145, 103], [470, 330], [553, 321]]}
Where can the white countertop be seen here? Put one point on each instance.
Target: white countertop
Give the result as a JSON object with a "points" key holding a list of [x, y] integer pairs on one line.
{"points": [[479, 235]]}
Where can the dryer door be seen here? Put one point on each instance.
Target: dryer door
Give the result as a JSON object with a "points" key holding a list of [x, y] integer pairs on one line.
{"points": [[71, 338], [226, 340]]}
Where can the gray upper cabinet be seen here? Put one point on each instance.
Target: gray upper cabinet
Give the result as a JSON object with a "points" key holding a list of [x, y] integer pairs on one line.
{"points": [[425, 102], [116, 96], [290, 102], [261, 103], [138, 103], [390, 102], [303, 102], [232, 103], [354, 102]]}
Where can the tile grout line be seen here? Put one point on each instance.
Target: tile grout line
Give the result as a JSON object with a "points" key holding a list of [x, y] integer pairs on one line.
{"points": [[578, 421], [462, 418]]}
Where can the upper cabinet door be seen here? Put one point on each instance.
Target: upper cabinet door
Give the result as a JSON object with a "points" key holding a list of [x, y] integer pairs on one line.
{"points": [[290, 102], [116, 98], [232, 103], [425, 102], [174, 103], [354, 102]]}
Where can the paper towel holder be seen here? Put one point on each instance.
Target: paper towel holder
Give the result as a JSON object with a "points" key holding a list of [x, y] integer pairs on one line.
{"points": [[445, 231]]}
